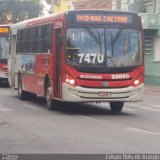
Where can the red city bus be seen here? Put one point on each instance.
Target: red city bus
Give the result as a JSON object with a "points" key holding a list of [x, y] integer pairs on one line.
{"points": [[4, 52], [79, 56]]}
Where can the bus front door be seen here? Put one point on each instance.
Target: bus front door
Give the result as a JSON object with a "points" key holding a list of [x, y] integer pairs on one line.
{"points": [[58, 34]]}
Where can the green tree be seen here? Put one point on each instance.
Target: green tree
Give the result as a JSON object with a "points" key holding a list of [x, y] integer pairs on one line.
{"points": [[20, 9]]}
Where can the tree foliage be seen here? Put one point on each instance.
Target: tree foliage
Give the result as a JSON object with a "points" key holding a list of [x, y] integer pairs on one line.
{"points": [[19, 10]]}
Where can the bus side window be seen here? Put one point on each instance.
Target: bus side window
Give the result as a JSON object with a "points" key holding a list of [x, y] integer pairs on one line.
{"points": [[48, 38], [32, 39], [39, 39], [19, 41], [25, 40]]}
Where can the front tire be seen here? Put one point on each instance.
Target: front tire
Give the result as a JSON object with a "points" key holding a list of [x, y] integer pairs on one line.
{"points": [[50, 103], [116, 106]]}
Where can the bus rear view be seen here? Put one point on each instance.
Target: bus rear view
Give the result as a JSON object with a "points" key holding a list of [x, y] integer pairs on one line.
{"points": [[104, 58]]}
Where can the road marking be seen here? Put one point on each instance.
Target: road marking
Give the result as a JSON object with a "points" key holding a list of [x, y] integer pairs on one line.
{"points": [[143, 131], [131, 104], [156, 106], [5, 110], [129, 109], [145, 107], [88, 117], [29, 106], [151, 109]]}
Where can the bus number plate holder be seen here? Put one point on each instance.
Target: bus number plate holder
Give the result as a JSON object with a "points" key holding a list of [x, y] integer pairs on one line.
{"points": [[104, 94]]}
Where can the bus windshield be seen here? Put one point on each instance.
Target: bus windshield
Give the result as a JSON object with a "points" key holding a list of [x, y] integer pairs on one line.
{"points": [[4, 47], [103, 47]]}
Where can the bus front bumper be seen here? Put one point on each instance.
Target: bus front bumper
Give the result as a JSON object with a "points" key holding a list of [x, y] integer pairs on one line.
{"points": [[81, 94]]}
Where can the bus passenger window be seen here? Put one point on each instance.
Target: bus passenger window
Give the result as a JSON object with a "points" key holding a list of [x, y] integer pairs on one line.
{"points": [[48, 38], [25, 40], [32, 39], [39, 40], [19, 39]]}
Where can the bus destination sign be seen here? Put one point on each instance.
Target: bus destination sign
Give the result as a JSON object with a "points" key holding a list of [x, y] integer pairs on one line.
{"points": [[4, 30], [124, 19]]}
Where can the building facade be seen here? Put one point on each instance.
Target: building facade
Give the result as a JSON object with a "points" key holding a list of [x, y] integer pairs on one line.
{"points": [[92, 4], [150, 14]]}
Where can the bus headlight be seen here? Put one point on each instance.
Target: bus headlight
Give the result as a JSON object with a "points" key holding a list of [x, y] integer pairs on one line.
{"points": [[70, 80], [136, 82]]}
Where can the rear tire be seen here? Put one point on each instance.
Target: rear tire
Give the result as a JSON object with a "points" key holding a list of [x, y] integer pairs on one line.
{"points": [[116, 106], [21, 93]]}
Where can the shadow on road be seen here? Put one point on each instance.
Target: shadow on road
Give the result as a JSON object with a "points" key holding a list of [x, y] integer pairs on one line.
{"points": [[81, 108]]}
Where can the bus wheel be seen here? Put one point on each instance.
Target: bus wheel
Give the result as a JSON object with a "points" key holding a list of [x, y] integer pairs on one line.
{"points": [[116, 106], [21, 93], [49, 100]]}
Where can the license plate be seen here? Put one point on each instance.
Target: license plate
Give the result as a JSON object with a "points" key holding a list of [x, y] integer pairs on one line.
{"points": [[103, 94]]}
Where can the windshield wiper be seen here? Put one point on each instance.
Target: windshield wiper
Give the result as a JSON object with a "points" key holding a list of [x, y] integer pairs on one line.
{"points": [[93, 35], [112, 44], [100, 44], [116, 36], [113, 41]]}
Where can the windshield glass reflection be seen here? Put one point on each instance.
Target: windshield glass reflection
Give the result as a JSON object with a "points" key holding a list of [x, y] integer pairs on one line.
{"points": [[123, 47], [103, 47]]}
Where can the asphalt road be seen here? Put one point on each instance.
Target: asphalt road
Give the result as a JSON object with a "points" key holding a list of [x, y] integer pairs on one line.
{"points": [[28, 127]]}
